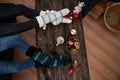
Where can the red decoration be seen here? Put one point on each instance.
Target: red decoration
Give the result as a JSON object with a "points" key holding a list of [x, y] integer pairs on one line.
{"points": [[65, 16], [76, 15], [72, 32], [71, 70], [79, 67], [71, 13]]}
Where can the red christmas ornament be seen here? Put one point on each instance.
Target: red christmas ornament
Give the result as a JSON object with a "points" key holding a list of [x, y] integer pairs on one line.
{"points": [[72, 32], [71, 13], [65, 16], [79, 67], [76, 15], [71, 70]]}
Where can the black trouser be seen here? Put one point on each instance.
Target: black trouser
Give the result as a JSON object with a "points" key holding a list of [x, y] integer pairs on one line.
{"points": [[8, 11], [11, 10]]}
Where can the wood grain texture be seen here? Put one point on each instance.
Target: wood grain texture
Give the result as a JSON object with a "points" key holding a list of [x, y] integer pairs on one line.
{"points": [[103, 49], [46, 40], [102, 46]]}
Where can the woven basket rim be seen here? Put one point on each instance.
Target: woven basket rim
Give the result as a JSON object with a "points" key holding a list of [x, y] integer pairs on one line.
{"points": [[105, 21]]}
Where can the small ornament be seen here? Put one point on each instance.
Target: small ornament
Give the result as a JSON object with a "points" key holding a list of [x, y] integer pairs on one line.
{"points": [[44, 27], [71, 17], [78, 8], [75, 62], [79, 67], [73, 32], [66, 16], [71, 13], [76, 11], [73, 45], [76, 15], [71, 70], [59, 40]]}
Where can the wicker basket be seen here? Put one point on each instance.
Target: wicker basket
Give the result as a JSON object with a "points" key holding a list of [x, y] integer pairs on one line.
{"points": [[112, 16]]}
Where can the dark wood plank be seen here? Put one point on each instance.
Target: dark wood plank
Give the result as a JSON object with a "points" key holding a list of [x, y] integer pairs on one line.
{"points": [[46, 40]]}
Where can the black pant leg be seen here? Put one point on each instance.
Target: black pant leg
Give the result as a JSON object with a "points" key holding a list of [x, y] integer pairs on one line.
{"points": [[8, 10], [28, 12], [7, 29]]}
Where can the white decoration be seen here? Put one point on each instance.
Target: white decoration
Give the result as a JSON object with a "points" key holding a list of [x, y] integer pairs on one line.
{"points": [[78, 9], [59, 40], [41, 14], [73, 32]]}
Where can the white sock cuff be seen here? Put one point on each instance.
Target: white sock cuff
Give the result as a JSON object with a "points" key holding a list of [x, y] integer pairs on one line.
{"points": [[40, 21]]}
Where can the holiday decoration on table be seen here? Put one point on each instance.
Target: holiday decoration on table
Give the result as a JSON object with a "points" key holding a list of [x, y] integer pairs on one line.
{"points": [[75, 65], [71, 70], [73, 13], [72, 32], [60, 40], [73, 45], [77, 69]]}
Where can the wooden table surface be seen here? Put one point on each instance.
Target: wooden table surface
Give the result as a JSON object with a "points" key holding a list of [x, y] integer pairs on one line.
{"points": [[46, 40], [102, 46]]}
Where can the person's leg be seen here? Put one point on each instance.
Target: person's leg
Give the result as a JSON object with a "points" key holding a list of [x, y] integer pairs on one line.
{"points": [[8, 10], [28, 12], [12, 67], [13, 41], [51, 60], [7, 29]]}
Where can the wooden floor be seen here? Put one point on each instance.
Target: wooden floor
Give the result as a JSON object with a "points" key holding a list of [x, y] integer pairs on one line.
{"points": [[102, 46]]}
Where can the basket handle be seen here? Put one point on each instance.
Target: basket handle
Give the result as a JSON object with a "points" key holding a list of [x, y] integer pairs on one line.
{"points": [[110, 3]]}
